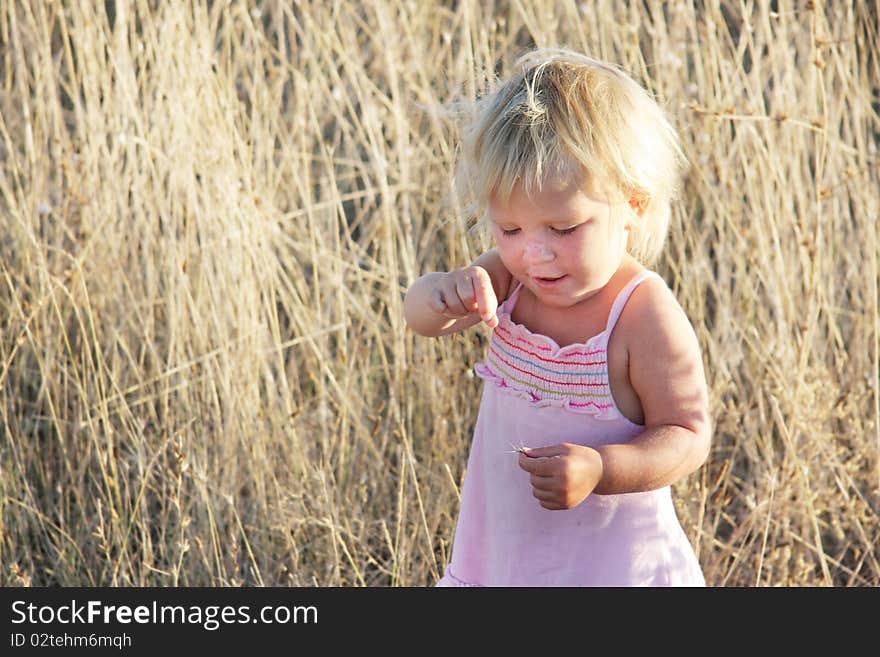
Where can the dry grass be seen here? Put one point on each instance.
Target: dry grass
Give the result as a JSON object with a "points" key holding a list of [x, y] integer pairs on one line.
{"points": [[210, 215]]}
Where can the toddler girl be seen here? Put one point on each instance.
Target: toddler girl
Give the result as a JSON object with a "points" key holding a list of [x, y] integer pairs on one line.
{"points": [[595, 399]]}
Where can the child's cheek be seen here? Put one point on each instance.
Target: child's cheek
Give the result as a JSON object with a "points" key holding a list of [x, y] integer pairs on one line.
{"points": [[507, 253]]}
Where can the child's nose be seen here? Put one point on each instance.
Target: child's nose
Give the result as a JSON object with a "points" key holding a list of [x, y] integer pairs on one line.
{"points": [[538, 251]]}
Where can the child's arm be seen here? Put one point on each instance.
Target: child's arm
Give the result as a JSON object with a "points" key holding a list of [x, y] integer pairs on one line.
{"points": [[666, 372], [440, 303]]}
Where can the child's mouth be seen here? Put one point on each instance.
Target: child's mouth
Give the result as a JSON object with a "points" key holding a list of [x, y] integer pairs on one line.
{"points": [[547, 281]]}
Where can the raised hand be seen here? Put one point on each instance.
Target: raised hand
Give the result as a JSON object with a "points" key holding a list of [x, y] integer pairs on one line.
{"points": [[461, 292]]}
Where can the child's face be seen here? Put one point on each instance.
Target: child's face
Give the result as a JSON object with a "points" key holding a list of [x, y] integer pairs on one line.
{"points": [[562, 242]]}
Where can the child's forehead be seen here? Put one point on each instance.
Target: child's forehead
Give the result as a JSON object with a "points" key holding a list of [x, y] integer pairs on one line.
{"points": [[560, 203], [554, 188]]}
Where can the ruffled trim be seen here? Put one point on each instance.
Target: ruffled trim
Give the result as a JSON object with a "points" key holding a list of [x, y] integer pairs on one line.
{"points": [[586, 407], [450, 580]]}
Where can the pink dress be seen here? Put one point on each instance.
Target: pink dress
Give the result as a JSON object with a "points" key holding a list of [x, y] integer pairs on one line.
{"points": [[538, 394]]}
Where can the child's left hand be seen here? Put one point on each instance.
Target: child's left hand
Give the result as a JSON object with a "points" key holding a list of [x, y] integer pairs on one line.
{"points": [[562, 476]]}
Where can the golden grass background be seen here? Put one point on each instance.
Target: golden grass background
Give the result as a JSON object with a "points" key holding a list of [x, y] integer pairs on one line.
{"points": [[210, 213]]}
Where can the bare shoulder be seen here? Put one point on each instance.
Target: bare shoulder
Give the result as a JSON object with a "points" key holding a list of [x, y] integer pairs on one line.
{"points": [[653, 314]]}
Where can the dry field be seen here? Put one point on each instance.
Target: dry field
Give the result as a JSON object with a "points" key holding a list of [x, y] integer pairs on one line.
{"points": [[211, 210]]}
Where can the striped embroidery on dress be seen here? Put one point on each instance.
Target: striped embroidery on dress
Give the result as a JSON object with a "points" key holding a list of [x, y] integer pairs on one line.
{"points": [[578, 378], [501, 332], [526, 386], [494, 352]]}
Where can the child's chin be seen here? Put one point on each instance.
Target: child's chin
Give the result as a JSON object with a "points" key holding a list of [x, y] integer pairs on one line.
{"points": [[555, 298]]}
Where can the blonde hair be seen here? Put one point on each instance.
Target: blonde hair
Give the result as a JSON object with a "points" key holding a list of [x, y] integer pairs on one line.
{"points": [[563, 115]]}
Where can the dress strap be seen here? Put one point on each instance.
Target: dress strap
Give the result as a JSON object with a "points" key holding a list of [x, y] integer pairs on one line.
{"points": [[624, 295], [508, 304]]}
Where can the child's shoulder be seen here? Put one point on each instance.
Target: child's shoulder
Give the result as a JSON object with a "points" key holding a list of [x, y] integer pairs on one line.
{"points": [[651, 311]]}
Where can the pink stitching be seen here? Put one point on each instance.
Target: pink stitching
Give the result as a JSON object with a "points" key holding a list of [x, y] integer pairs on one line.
{"points": [[501, 381], [590, 403], [551, 360], [601, 384]]}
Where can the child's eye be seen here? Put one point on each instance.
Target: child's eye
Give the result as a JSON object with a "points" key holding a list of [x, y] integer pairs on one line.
{"points": [[564, 231], [509, 232]]}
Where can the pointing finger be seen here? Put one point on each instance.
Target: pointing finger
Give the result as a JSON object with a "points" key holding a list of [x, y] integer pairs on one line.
{"points": [[487, 302], [464, 288]]}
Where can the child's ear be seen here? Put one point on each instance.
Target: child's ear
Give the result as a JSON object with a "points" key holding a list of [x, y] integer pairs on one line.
{"points": [[639, 203]]}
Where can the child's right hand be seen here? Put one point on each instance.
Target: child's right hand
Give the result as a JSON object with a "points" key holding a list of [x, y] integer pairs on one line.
{"points": [[461, 292]]}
